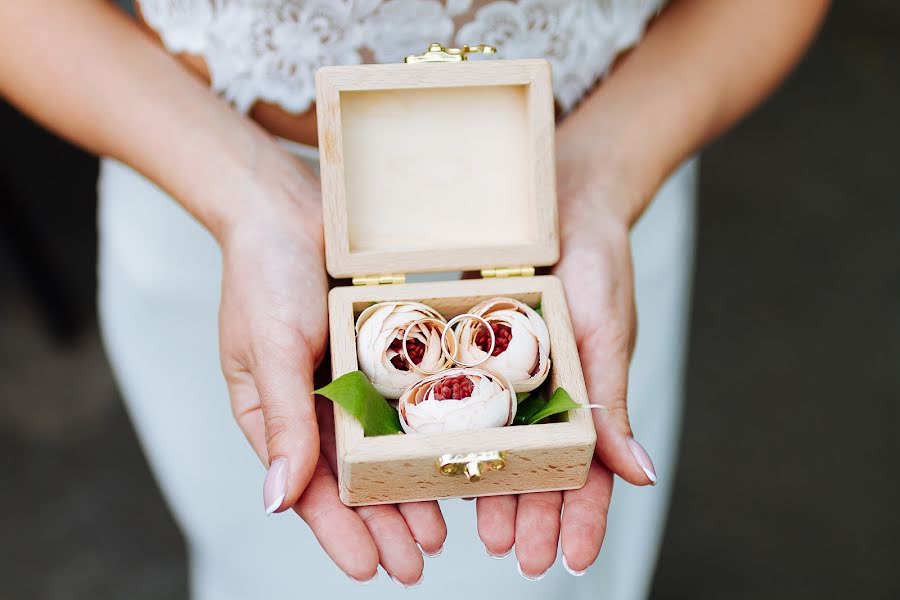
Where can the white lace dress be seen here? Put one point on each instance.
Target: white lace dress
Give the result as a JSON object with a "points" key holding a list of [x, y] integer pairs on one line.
{"points": [[160, 272], [270, 49]]}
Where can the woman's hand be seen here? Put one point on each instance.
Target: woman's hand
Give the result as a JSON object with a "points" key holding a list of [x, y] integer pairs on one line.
{"points": [[273, 327], [595, 268], [596, 271], [658, 106]]}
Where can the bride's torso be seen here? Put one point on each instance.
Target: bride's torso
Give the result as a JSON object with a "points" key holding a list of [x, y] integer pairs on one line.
{"points": [[262, 55]]}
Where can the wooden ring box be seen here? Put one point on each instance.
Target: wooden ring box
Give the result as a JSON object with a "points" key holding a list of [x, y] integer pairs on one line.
{"points": [[435, 167]]}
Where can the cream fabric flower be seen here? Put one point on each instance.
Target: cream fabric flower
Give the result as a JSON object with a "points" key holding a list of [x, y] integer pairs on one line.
{"points": [[457, 400], [522, 343], [379, 335]]}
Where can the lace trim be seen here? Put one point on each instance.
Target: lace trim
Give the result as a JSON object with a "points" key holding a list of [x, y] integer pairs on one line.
{"points": [[270, 49]]}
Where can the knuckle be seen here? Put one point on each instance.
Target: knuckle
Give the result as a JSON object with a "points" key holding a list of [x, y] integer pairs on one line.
{"points": [[274, 347], [618, 409], [619, 412], [276, 429], [315, 517], [615, 420], [279, 341], [541, 503], [244, 415], [595, 509], [379, 516]]}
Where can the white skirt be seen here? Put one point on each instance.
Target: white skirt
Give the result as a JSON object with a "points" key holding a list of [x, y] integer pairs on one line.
{"points": [[159, 283]]}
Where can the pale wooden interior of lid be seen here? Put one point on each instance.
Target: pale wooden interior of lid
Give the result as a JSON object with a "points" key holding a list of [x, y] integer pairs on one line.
{"points": [[437, 167]]}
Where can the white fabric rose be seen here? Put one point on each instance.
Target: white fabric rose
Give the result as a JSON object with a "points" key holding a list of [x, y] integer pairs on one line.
{"points": [[457, 400], [522, 343], [379, 337]]}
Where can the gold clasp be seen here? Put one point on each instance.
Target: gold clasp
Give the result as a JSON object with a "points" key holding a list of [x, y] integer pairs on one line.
{"points": [[471, 464], [438, 53]]}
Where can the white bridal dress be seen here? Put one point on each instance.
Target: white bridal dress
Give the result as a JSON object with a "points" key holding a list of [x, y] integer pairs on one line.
{"points": [[159, 291]]}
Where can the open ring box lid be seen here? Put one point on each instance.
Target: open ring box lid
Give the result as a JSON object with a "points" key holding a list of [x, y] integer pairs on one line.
{"points": [[433, 167]]}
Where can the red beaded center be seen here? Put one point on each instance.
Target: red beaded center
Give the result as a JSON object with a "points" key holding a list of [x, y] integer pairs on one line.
{"points": [[453, 388], [414, 348], [502, 335]]}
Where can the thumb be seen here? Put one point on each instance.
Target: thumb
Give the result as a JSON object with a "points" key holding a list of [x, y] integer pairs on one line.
{"points": [[605, 356], [286, 435]]}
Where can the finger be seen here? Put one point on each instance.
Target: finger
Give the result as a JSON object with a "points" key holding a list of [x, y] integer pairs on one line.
{"points": [[497, 524], [397, 549], [282, 373], [391, 532], [325, 417], [584, 519], [537, 532], [426, 523], [606, 353], [339, 529], [246, 410]]}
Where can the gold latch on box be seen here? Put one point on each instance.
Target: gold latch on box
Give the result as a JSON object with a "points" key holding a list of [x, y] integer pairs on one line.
{"points": [[384, 279], [471, 464], [438, 53], [508, 272]]}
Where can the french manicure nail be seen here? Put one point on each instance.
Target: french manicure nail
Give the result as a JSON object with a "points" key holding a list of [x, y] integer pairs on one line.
{"points": [[430, 554], [642, 459], [527, 576], [409, 585], [275, 486], [570, 570], [497, 556]]}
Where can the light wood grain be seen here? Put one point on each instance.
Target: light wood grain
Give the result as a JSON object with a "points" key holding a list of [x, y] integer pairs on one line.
{"points": [[343, 260], [402, 468]]}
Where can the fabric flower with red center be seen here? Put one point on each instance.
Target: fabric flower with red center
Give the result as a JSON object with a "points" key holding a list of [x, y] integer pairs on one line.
{"points": [[521, 350], [379, 345], [457, 400]]}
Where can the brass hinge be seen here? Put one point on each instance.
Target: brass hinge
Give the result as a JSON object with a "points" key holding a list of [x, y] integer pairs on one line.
{"points": [[384, 279], [508, 272], [439, 53]]}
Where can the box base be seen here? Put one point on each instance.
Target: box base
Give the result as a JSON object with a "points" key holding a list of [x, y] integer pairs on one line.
{"points": [[405, 468]]}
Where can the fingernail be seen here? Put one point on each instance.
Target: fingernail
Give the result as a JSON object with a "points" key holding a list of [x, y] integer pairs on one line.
{"points": [[642, 459], [570, 570], [497, 556], [365, 581], [275, 486], [409, 585], [527, 576], [429, 554]]}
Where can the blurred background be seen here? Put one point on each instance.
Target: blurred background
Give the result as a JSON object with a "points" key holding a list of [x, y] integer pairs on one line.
{"points": [[786, 485]]}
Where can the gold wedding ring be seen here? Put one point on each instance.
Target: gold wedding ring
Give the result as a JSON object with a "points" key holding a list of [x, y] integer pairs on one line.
{"points": [[452, 355], [404, 351]]}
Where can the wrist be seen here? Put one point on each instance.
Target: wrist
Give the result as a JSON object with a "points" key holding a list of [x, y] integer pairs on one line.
{"points": [[608, 150], [267, 208], [263, 188], [227, 172], [598, 196], [600, 177]]}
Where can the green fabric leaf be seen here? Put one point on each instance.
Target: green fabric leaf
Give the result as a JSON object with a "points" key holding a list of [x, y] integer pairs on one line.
{"points": [[560, 402], [528, 407], [537, 309], [520, 396], [360, 398]]}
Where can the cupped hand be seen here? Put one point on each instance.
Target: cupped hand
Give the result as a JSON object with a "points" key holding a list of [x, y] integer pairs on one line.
{"points": [[596, 271], [273, 330]]}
